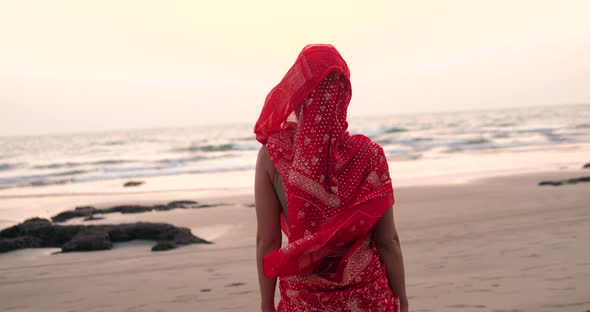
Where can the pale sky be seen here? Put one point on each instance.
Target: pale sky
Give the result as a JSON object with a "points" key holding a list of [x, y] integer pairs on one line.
{"points": [[68, 66]]}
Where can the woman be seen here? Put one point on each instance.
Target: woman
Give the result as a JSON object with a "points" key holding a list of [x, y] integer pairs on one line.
{"points": [[329, 192]]}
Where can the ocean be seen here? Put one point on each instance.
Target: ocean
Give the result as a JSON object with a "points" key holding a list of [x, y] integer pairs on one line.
{"points": [[32, 161]]}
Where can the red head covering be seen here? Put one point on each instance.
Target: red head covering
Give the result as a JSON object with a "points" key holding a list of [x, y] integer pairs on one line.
{"points": [[337, 185], [314, 63]]}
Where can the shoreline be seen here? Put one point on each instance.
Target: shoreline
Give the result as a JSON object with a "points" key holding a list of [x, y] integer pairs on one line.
{"points": [[472, 165], [19, 204]]}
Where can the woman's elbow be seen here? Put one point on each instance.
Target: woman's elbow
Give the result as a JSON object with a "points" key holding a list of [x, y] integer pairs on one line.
{"points": [[389, 245], [265, 242]]}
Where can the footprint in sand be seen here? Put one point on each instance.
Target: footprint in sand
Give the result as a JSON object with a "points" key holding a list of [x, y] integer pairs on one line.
{"points": [[479, 306], [572, 304], [558, 279], [235, 284], [185, 298]]}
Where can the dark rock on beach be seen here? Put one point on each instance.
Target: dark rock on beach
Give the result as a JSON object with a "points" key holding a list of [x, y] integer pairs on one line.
{"points": [[182, 204], [551, 183], [566, 181], [133, 183], [41, 233], [130, 209], [162, 246], [8, 244], [92, 218], [586, 166], [83, 211], [89, 212], [89, 240]]}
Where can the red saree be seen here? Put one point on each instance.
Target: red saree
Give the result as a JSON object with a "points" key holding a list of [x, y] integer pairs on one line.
{"points": [[337, 187]]}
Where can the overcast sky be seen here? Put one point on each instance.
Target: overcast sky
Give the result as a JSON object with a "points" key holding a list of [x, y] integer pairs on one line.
{"points": [[93, 65]]}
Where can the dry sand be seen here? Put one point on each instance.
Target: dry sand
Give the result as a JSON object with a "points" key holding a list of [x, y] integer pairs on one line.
{"points": [[502, 244]]}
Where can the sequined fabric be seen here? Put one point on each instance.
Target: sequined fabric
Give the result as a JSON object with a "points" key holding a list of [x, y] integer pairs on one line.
{"points": [[337, 187]]}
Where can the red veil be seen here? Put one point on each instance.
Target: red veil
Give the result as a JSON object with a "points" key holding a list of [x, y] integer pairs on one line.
{"points": [[337, 187]]}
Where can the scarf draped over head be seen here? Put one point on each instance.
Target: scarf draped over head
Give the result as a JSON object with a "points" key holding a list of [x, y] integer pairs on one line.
{"points": [[337, 185]]}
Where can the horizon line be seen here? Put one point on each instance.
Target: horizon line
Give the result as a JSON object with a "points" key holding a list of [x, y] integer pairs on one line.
{"points": [[244, 123]]}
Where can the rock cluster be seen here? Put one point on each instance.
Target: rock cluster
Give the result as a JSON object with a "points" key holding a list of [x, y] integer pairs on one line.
{"points": [[133, 183], [42, 233], [566, 181], [90, 212]]}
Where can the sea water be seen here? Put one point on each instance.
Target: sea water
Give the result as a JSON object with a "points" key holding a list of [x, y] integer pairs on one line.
{"points": [[31, 161]]}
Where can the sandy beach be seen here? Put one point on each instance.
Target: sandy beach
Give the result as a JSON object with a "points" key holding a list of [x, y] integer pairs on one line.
{"points": [[130, 133], [497, 244], [478, 234]]}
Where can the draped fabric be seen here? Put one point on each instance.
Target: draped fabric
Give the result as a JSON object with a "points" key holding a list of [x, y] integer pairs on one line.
{"points": [[337, 187]]}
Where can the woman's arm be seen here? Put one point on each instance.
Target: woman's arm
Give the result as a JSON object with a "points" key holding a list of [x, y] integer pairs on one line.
{"points": [[388, 244], [268, 234]]}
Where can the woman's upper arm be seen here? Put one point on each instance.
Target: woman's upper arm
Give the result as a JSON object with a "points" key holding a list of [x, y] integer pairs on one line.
{"points": [[268, 207], [384, 232]]}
